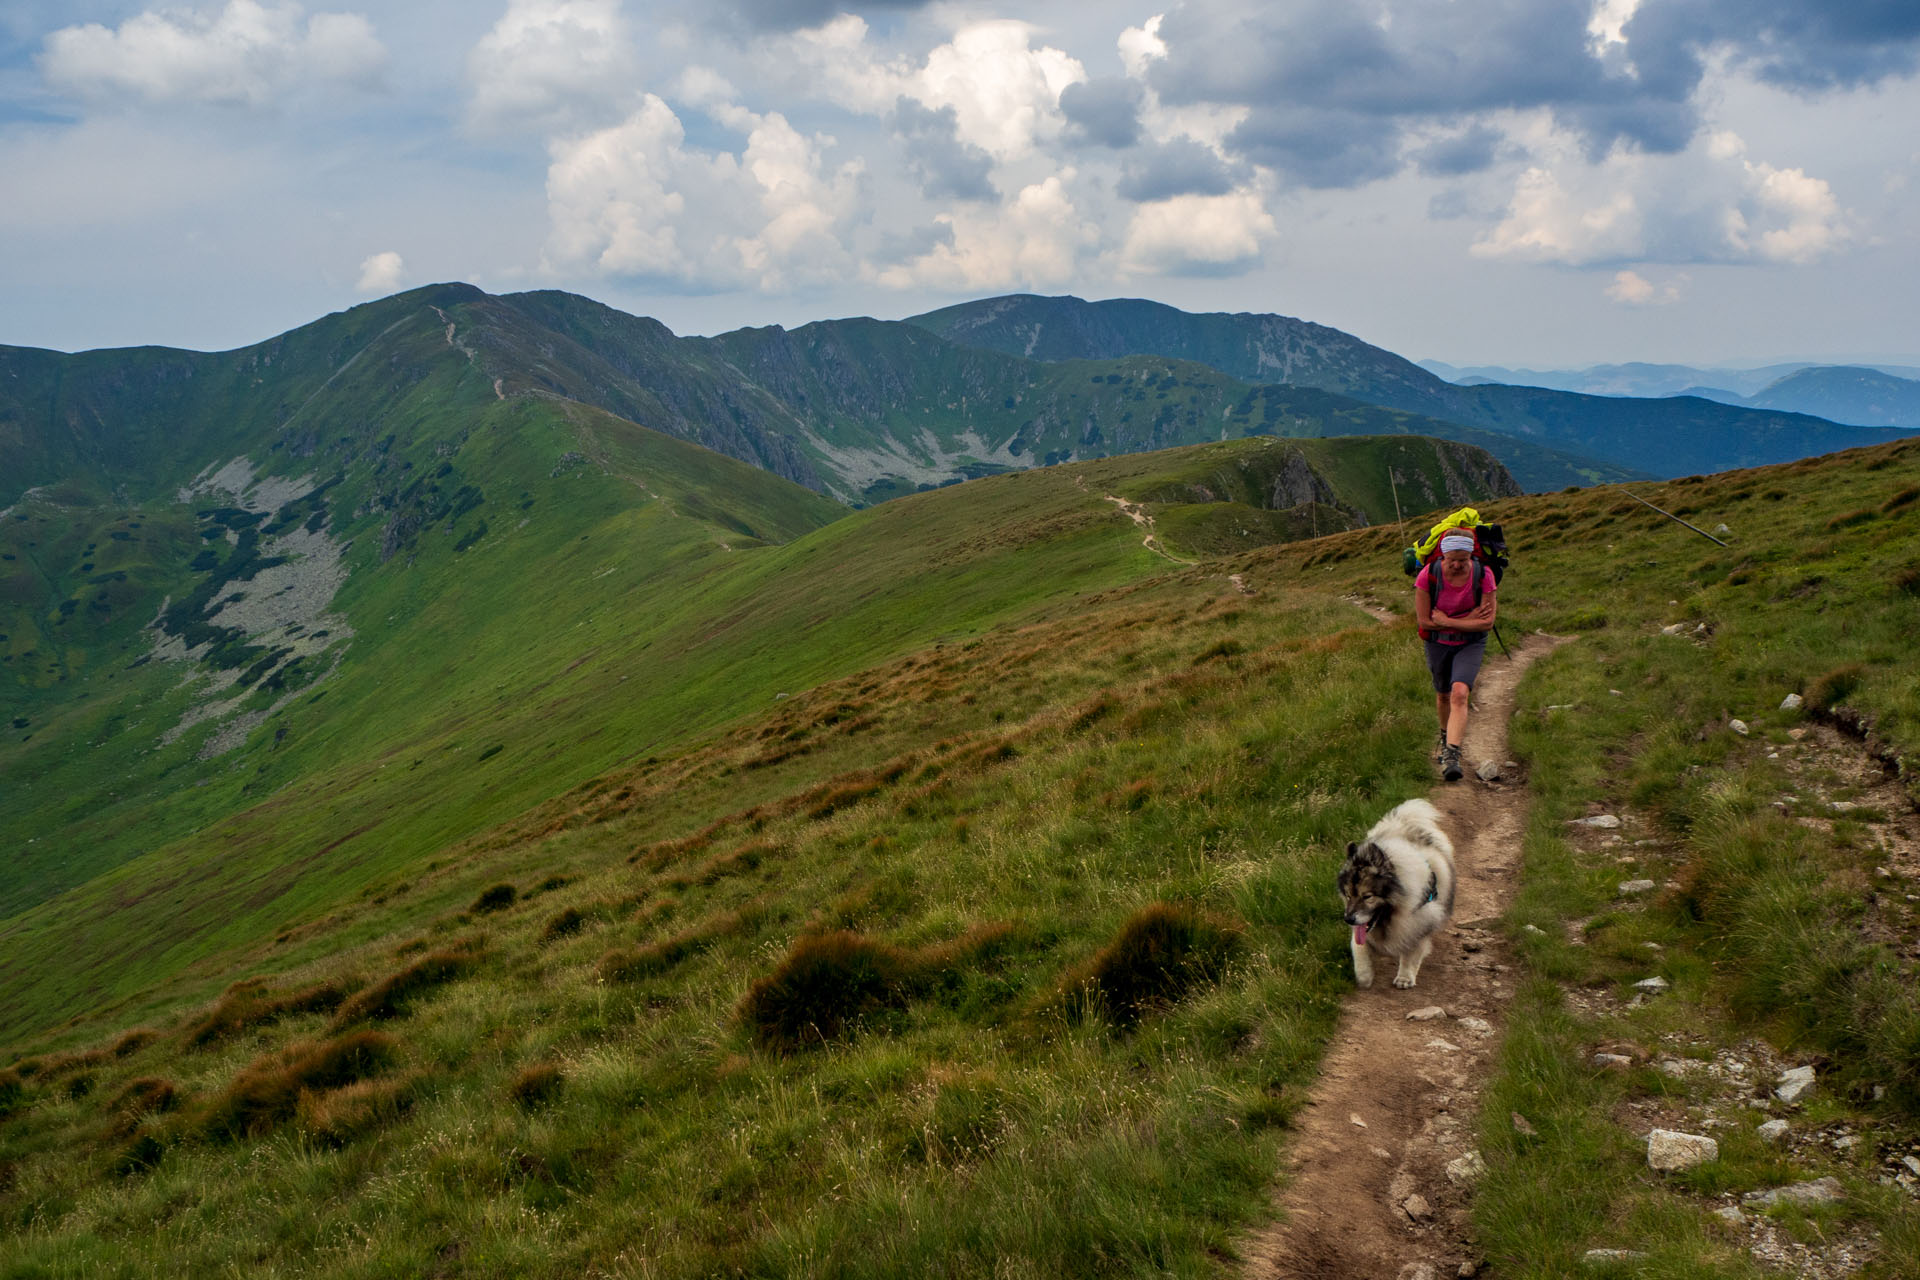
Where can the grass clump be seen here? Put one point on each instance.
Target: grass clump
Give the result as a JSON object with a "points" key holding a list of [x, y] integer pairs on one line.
{"points": [[146, 1094], [390, 997], [1827, 692], [497, 897], [825, 987], [1163, 951], [564, 924], [536, 1084], [336, 1117], [268, 1092]]}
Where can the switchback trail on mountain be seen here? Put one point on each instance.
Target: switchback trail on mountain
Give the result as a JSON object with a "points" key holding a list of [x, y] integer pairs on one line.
{"points": [[1378, 1179]]}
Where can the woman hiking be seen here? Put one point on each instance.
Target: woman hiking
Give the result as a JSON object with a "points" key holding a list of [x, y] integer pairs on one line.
{"points": [[1455, 620]]}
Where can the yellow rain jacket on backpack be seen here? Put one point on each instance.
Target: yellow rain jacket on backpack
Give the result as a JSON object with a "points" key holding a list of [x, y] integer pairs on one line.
{"points": [[1464, 518]]}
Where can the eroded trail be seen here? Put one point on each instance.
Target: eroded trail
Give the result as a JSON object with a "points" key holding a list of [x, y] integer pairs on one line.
{"points": [[1367, 1190]]}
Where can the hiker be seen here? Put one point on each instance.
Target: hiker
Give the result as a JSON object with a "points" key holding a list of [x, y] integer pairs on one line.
{"points": [[1455, 629]]}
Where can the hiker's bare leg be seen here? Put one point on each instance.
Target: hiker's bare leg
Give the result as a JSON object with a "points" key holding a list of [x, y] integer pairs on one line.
{"points": [[1454, 713]]}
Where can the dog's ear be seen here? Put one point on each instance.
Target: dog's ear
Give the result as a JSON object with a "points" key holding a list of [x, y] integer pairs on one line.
{"points": [[1352, 848]]}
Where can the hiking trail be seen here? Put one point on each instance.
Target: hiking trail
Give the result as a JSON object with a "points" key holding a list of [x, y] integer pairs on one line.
{"points": [[1378, 1177]]}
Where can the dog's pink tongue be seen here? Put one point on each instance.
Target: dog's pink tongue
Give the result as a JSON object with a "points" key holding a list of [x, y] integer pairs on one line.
{"points": [[1359, 935]]}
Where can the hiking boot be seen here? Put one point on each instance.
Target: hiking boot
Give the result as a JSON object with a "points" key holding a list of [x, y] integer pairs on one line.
{"points": [[1440, 745], [1450, 763]]}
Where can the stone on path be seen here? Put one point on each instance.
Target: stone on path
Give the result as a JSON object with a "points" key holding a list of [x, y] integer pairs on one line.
{"points": [[1739, 727], [1427, 1014], [1773, 1130], [1602, 821], [1792, 702], [1479, 1026], [1669, 1150], [1794, 1084], [1417, 1208], [1819, 1191], [1488, 771], [1630, 887], [1731, 1214], [1652, 986], [1466, 1170], [1613, 1061]]}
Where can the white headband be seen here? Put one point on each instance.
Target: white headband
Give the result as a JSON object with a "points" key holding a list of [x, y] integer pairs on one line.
{"points": [[1456, 542]]}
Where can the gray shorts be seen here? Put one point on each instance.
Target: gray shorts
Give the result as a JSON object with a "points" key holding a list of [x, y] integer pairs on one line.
{"points": [[1453, 664]]}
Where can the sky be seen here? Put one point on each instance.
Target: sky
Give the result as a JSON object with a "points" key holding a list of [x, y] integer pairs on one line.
{"points": [[1539, 183]]}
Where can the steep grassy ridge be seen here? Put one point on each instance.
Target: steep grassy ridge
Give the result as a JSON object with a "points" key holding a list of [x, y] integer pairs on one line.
{"points": [[1011, 947]]}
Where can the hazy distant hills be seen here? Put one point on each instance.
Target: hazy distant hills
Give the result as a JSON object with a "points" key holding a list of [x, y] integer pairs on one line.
{"points": [[1860, 395], [1666, 437]]}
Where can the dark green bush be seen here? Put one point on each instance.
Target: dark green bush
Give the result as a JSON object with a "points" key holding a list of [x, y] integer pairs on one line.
{"points": [[496, 897], [828, 984], [390, 996]]}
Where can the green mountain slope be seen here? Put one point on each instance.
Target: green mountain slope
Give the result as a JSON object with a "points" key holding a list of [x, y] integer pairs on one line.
{"points": [[1002, 941], [1667, 437]]}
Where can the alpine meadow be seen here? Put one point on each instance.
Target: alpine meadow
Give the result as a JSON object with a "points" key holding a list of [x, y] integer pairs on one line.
{"points": [[495, 788]]}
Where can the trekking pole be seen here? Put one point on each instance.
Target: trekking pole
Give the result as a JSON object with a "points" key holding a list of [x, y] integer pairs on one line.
{"points": [[1676, 519], [1503, 642]]}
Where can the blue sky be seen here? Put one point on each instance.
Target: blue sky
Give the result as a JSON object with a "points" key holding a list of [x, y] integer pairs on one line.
{"points": [[1526, 182]]}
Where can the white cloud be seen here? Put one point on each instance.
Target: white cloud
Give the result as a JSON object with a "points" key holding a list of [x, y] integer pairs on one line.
{"points": [[1198, 235], [1141, 46], [1707, 204], [1037, 239], [246, 54], [1632, 289], [1005, 91], [380, 273], [548, 64], [636, 200]]}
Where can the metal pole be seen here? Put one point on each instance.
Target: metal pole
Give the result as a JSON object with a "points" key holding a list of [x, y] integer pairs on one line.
{"points": [[1676, 519]]}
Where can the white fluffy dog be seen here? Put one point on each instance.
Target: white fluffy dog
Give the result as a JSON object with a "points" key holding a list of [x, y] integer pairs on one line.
{"points": [[1397, 885]]}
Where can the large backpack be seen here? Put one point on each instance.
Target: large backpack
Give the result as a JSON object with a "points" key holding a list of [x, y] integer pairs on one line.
{"points": [[1489, 552]]}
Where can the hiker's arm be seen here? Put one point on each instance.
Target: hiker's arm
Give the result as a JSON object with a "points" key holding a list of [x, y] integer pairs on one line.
{"points": [[1424, 616], [1481, 619]]}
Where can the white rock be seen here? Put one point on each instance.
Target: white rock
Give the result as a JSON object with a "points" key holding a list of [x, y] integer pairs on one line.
{"points": [[1819, 1191], [1600, 1257], [1668, 1150], [1655, 985], [1415, 1271], [1603, 821], [1731, 1213], [1794, 1084], [1445, 1046], [1466, 1170], [1773, 1130], [1479, 1026], [1616, 693], [1427, 1014], [1796, 734], [1630, 887], [1720, 529], [1792, 702], [1843, 806], [1911, 1163], [1614, 1060], [1534, 929], [1488, 771], [1357, 1122], [1673, 630], [1739, 727], [1652, 946], [1417, 1208]]}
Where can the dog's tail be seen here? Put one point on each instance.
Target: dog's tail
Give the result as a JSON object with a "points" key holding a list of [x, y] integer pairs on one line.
{"points": [[1413, 818]]}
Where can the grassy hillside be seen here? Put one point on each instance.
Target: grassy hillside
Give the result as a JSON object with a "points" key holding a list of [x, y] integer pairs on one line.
{"points": [[1004, 940]]}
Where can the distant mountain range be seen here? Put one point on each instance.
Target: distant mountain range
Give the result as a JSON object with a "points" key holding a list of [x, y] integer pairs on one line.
{"points": [[1666, 437], [1873, 395]]}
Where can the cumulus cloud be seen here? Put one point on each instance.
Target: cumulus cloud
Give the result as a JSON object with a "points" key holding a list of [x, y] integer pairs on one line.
{"points": [[945, 166], [1003, 89], [1337, 95], [1180, 167], [1712, 205], [1038, 239], [380, 273], [1198, 235], [635, 200], [1630, 288], [246, 54], [1104, 112], [547, 64]]}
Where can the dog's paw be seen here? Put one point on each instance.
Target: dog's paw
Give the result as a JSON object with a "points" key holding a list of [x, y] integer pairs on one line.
{"points": [[1402, 980], [1363, 981]]}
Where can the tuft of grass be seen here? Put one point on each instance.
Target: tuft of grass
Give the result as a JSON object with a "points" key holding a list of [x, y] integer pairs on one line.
{"points": [[268, 1091], [250, 1003], [335, 1117], [536, 1084], [1831, 689], [563, 924], [389, 997], [496, 897], [825, 987], [1162, 951]]}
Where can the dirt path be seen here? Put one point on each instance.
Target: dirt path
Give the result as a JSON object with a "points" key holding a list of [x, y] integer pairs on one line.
{"points": [[1368, 1191], [1139, 516]]}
